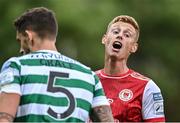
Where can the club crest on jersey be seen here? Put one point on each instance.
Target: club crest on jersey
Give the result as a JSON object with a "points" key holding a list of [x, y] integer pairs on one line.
{"points": [[126, 95]]}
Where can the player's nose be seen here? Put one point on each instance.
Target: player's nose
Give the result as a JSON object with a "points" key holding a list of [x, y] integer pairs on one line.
{"points": [[21, 51], [119, 37]]}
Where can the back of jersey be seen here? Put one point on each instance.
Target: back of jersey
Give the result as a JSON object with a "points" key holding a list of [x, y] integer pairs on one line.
{"points": [[54, 88]]}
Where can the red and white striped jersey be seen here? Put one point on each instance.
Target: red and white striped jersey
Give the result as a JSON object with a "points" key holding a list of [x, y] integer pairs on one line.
{"points": [[133, 97]]}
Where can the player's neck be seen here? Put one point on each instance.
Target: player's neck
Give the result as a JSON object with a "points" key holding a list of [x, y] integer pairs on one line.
{"points": [[115, 67], [45, 45]]}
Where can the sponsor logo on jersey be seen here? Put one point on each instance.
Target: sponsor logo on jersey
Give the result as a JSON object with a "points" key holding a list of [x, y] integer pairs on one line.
{"points": [[157, 96], [158, 108], [126, 95]]}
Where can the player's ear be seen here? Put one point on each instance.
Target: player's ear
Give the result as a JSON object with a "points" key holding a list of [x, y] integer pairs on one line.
{"points": [[104, 39], [29, 34], [134, 47]]}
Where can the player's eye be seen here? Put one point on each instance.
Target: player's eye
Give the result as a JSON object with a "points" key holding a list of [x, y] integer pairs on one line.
{"points": [[115, 31], [127, 35]]}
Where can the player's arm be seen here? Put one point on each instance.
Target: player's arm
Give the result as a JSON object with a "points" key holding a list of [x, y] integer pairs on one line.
{"points": [[152, 103], [101, 110], [10, 89], [8, 106], [101, 114]]}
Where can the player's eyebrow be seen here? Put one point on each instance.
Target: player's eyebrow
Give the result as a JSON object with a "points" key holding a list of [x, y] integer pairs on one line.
{"points": [[129, 30], [116, 28]]}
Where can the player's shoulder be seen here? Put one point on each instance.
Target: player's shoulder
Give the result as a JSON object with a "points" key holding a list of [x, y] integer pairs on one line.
{"points": [[8, 62], [137, 75], [12, 59], [152, 86]]}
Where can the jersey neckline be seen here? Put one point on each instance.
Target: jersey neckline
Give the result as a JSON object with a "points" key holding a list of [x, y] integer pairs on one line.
{"points": [[46, 51], [116, 76]]}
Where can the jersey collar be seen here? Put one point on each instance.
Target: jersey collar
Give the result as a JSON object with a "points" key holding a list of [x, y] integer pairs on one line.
{"points": [[115, 76]]}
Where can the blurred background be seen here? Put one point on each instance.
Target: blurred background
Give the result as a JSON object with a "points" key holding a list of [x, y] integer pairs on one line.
{"points": [[82, 24]]}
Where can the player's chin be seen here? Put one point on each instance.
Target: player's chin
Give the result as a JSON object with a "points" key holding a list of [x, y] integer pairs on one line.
{"points": [[114, 56]]}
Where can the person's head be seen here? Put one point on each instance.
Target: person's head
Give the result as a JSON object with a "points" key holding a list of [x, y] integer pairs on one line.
{"points": [[121, 37], [36, 24]]}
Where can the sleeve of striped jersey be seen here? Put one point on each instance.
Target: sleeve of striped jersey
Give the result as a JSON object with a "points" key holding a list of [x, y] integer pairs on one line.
{"points": [[10, 76], [152, 103], [99, 98]]}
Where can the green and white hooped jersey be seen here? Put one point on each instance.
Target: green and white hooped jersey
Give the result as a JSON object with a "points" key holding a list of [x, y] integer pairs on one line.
{"points": [[53, 87]]}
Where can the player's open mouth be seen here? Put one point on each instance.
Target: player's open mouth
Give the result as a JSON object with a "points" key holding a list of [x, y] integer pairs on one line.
{"points": [[117, 45]]}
